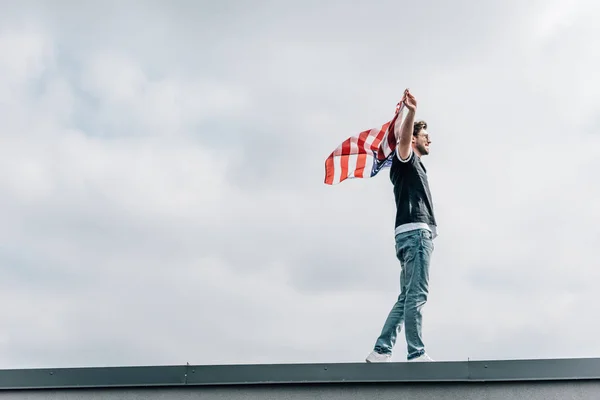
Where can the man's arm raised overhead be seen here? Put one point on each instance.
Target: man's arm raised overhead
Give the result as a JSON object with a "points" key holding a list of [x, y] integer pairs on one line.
{"points": [[404, 136]]}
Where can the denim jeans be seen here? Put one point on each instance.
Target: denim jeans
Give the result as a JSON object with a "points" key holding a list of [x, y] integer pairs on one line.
{"points": [[413, 249]]}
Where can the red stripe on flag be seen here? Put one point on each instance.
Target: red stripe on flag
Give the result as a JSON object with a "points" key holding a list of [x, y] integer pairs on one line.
{"points": [[344, 160], [361, 162], [329, 170], [391, 139], [362, 138]]}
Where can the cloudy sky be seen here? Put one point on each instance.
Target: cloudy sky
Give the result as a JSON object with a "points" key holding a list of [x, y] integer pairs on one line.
{"points": [[162, 165]]}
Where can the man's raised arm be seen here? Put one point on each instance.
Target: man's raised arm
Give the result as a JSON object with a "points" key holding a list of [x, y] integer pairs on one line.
{"points": [[404, 137]]}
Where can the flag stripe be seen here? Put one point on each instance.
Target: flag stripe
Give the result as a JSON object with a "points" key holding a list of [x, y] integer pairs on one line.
{"points": [[346, 152], [329, 170], [362, 157]]}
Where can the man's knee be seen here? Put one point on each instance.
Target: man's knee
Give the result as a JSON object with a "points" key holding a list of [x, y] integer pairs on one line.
{"points": [[415, 299]]}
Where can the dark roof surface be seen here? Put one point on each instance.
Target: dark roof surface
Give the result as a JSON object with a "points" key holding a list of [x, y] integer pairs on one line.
{"points": [[263, 374]]}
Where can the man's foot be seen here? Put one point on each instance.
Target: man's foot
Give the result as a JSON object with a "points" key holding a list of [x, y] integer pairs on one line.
{"points": [[376, 357], [422, 358]]}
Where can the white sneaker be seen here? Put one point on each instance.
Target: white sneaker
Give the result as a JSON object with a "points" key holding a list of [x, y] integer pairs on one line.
{"points": [[422, 358], [375, 357]]}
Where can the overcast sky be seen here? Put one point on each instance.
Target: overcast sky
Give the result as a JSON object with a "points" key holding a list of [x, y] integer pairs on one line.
{"points": [[162, 166]]}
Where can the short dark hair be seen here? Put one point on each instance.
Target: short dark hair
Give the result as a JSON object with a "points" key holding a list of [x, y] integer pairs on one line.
{"points": [[418, 126]]}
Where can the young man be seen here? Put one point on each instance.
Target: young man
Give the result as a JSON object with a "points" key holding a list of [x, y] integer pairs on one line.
{"points": [[415, 231]]}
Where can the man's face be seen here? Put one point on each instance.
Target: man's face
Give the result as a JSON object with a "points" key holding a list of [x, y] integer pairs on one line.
{"points": [[421, 142]]}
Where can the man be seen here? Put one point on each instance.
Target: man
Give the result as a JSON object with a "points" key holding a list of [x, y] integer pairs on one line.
{"points": [[415, 230]]}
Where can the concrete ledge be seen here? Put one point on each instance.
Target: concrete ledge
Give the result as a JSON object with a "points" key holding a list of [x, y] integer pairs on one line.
{"points": [[302, 374]]}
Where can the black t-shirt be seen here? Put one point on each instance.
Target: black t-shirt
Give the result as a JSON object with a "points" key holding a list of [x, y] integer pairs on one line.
{"points": [[411, 191]]}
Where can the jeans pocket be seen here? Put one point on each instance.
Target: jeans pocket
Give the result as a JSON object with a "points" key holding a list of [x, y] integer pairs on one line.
{"points": [[427, 239]]}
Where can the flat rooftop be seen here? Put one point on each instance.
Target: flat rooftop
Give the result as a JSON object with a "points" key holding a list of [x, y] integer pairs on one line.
{"points": [[353, 378]]}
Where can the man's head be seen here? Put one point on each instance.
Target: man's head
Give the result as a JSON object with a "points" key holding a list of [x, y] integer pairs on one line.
{"points": [[420, 139]]}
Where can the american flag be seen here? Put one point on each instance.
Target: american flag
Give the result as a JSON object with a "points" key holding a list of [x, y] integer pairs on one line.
{"points": [[364, 155]]}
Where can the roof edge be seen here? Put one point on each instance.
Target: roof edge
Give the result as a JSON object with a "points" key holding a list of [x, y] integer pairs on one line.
{"points": [[299, 374]]}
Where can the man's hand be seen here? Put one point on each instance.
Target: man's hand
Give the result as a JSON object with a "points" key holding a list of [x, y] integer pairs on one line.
{"points": [[409, 101]]}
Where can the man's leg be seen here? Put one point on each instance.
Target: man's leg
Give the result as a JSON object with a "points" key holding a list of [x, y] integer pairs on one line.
{"points": [[392, 326], [417, 256]]}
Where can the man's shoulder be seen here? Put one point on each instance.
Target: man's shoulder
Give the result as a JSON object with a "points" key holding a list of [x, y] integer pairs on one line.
{"points": [[400, 168], [400, 163]]}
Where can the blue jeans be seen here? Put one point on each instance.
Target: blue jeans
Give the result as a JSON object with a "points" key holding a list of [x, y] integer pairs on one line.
{"points": [[413, 249]]}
